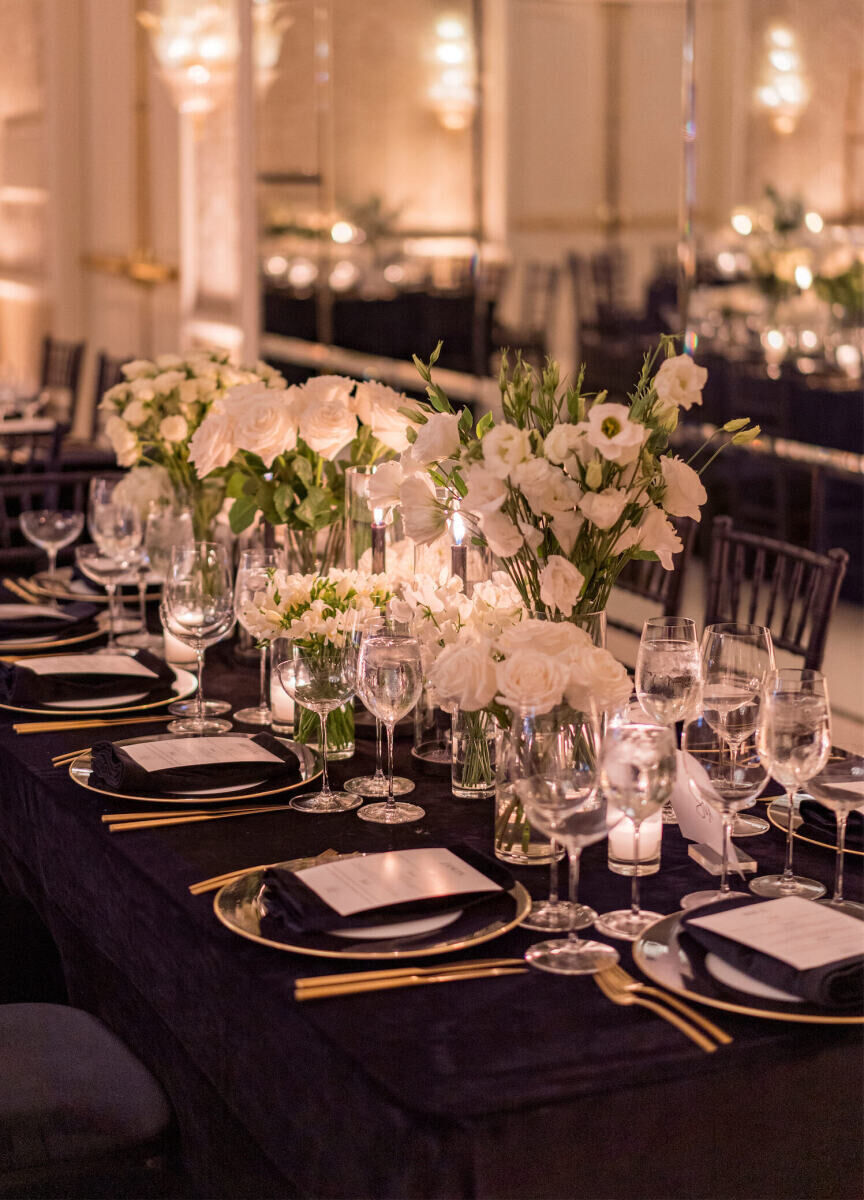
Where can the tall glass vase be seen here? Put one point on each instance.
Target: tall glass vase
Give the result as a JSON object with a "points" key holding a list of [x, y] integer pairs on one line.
{"points": [[473, 742], [340, 730], [311, 551]]}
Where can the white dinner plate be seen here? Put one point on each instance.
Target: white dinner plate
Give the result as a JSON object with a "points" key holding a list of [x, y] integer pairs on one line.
{"points": [[732, 977], [373, 933]]}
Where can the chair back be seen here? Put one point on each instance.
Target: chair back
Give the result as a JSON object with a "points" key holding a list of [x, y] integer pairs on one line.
{"points": [[650, 581], [108, 372], [23, 451], [61, 364], [46, 489], [764, 581], [539, 289]]}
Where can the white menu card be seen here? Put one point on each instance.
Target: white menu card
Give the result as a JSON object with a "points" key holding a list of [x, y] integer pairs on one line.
{"points": [[797, 931], [194, 751], [397, 876], [21, 612], [88, 664]]}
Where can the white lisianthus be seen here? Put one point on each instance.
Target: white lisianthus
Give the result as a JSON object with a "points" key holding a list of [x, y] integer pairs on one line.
{"points": [[566, 442], [173, 429], [264, 421], [566, 526], [212, 444], [532, 535], [437, 440], [327, 423], [594, 474], [385, 485], [123, 441], [652, 533], [560, 584], [144, 486], [679, 382], [529, 681], [502, 536], [423, 516], [135, 413], [139, 368], [464, 676], [684, 493], [505, 447], [610, 430], [604, 508], [486, 492], [378, 407]]}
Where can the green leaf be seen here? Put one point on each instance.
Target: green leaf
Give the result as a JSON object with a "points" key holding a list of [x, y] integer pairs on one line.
{"points": [[235, 485], [242, 513], [485, 424], [466, 421], [282, 497], [316, 505], [645, 555], [303, 470]]}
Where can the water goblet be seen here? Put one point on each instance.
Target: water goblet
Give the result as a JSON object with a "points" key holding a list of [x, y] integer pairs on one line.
{"points": [[839, 788], [637, 772], [389, 682], [198, 609], [794, 741], [107, 572], [319, 673], [373, 786], [713, 780], [736, 660], [668, 675], [51, 530], [252, 577]]}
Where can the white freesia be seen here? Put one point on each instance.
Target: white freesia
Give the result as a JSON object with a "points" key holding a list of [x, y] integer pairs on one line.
{"points": [[264, 421], [437, 440], [679, 382], [502, 536], [123, 441], [327, 422], [531, 682], [212, 444], [653, 533], [684, 493], [610, 430], [505, 447], [560, 584], [423, 516], [486, 492], [174, 429], [598, 680], [604, 508], [464, 676]]}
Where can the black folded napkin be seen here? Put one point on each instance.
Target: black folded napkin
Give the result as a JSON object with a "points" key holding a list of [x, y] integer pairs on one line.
{"points": [[290, 907], [820, 823], [68, 620], [114, 768], [23, 687], [837, 984]]}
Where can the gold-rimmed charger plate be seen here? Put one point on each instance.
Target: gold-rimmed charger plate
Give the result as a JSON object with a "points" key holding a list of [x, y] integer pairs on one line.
{"points": [[236, 906], [310, 770], [777, 815], [59, 589], [22, 646], [659, 956], [184, 686]]}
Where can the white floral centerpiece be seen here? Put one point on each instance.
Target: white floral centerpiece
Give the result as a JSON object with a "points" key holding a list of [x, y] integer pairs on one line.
{"points": [[154, 414]]}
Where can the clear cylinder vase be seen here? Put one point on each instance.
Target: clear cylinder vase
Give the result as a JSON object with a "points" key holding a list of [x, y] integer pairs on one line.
{"points": [[340, 731], [313, 551], [472, 754]]}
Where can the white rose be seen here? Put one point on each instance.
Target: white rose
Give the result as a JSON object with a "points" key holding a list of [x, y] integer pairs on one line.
{"points": [[653, 533], [327, 423], [502, 536], [139, 368], [123, 441], [212, 444], [423, 516], [529, 681], [142, 389], [167, 362], [378, 407], [597, 678], [173, 429], [264, 422], [135, 413], [464, 676], [437, 440], [560, 584], [167, 381], [679, 382], [504, 447], [604, 508], [115, 396], [385, 485], [611, 431], [684, 493], [486, 493], [561, 639]]}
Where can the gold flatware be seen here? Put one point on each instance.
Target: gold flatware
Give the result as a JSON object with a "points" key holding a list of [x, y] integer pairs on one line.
{"points": [[215, 882], [58, 726], [18, 589], [619, 995], [157, 822], [219, 810], [617, 975], [314, 982], [415, 979]]}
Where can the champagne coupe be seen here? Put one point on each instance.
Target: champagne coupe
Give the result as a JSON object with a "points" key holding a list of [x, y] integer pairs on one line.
{"points": [[51, 530], [794, 741], [389, 682], [839, 787], [320, 674], [107, 572], [668, 675], [736, 660], [252, 578], [710, 777], [637, 773], [373, 786], [198, 609]]}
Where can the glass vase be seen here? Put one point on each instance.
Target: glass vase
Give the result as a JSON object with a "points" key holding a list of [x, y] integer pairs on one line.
{"points": [[472, 749], [313, 551], [340, 731]]}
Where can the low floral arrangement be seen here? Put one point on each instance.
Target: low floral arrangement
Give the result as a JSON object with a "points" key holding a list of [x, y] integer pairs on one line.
{"points": [[566, 488], [156, 411]]}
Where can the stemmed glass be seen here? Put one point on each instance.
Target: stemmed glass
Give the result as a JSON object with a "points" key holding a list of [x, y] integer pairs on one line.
{"points": [[838, 787], [559, 792], [116, 529], [107, 572], [372, 786], [668, 675], [198, 609], [736, 660], [637, 772], [389, 682], [320, 674], [51, 530], [252, 578], [711, 779], [794, 741]]}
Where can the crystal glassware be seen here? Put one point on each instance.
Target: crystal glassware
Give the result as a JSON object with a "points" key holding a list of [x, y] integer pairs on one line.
{"points": [[668, 675], [164, 529], [375, 786], [252, 577], [51, 530], [198, 609], [107, 572], [736, 660], [839, 787], [714, 780], [389, 682], [320, 673], [139, 574], [637, 773], [794, 741], [116, 528]]}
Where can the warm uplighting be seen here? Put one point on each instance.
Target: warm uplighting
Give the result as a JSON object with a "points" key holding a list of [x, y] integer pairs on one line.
{"points": [[814, 222], [782, 91], [742, 223], [452, 90]]}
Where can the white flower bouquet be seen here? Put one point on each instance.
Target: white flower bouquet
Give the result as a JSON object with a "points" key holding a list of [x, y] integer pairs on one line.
{"points": [[155, 412]]}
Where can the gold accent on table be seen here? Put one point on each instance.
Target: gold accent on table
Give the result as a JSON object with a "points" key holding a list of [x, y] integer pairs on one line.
{"points": [[62, 726], [83, 713], [773, 815], [622, 979], [619, 995], [295, 864], [415, 979], [189, 819]]}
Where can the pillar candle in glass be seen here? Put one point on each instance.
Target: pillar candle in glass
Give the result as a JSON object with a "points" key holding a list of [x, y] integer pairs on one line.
{"points": [[622, 846]]}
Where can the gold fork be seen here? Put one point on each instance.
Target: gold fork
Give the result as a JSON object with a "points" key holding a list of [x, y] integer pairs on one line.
{"points": [[617, 975], [618, 995]]}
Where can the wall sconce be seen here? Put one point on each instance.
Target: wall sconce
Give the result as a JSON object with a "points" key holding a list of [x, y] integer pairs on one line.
{"points": [[783, 90], [452, 93]]}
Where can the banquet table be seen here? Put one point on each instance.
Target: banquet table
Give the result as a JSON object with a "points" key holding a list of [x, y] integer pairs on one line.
{"points": [[527, 1086]]}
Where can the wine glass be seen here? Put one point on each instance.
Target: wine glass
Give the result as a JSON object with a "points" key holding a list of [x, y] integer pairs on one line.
{"points": [[712, 780], [794, 741], [320, 674], [558, 789], [668, 675], [107, 572], [372, 786], [736, 660], [389, 682], [116, 528], [838, 787], [252, 577], [164, 528], [198, 609], [637, 772], [51, 530]]}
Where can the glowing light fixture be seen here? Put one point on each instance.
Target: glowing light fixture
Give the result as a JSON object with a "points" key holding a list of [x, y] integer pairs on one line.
{"points": [[452, 91], [803, 277], [783, 90], [814, 222], [742, 223], [342, 232]]}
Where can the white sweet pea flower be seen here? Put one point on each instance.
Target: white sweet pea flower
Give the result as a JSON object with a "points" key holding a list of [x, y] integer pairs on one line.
{"points": [[135, 413], [437, 440], [529, 681], [653, 533], [378, 407], [327, 423], [173, 429], [679, 382], [684, 493], [264, 420], [560, 584], [502, 536], [139, 368], [611, 431], [486, 492], [123, 441], [604, 508], [385, 485], [532, 535], [423, 516], [212, 444], [566, 526], [505, 447]]}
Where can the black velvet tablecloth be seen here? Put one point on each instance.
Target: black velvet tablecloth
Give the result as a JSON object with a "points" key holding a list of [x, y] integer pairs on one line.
{"points": [[527, 1086]]}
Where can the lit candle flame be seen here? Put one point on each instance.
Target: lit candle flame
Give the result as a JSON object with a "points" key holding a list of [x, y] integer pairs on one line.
{"points": [[458, 529]]}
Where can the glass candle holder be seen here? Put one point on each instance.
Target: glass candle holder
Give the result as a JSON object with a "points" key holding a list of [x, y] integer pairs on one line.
{"points": [[621, 854], [281, 706]]}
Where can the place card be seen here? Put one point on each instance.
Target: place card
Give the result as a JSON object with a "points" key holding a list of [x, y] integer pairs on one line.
{"points": [[89, 664], [197, 751], [25, 612], [796, 931], [698, 820], [396, 877]]}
